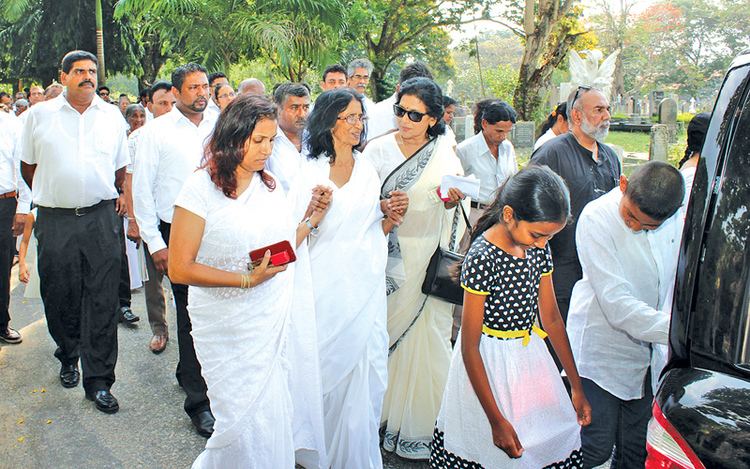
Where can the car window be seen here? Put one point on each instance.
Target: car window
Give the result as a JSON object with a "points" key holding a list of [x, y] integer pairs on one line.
{"points": [[721, 316]]}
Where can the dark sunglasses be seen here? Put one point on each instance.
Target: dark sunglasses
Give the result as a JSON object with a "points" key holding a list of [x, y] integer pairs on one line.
{"points": [[575, 96], [414, 116]]}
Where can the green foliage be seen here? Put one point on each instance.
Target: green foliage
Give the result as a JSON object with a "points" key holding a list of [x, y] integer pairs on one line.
{"points": [[502, 82], [631, 142], [685, 117]]}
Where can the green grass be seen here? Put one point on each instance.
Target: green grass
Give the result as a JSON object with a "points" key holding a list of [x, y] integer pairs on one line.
{"points": [[631, 142]]}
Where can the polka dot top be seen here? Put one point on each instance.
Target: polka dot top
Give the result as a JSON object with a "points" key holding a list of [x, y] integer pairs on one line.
{"points": [[511, 284]]}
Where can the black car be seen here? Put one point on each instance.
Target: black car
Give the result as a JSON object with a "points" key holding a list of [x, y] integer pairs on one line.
{"points": [[701, 412]]}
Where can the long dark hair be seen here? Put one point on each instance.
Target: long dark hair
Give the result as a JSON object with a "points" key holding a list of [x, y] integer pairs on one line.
{"points": [[535, 194], [560, 110], [696, 135], [431, 95], [226, 148], [323, 119]]}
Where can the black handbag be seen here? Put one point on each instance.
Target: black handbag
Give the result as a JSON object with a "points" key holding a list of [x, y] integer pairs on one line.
{"points": [[442, 279]]}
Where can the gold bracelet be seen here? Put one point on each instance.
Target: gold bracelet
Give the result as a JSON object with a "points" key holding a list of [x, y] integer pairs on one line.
{"points": [[245, 282]]}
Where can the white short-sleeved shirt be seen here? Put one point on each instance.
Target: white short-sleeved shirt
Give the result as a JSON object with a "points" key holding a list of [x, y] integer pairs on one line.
{"points": [[544, 138], [76, 154], [477, 159]]}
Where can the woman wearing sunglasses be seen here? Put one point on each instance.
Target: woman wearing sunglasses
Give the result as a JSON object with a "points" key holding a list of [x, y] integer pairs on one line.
{"points": [[414, 159]]}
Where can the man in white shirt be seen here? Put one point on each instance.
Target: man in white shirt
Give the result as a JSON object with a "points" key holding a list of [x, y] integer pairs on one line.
{"points": [[36, 95], [358, 77], [14, 205], [214, 79], [73, 157], [293, 103], [624, 240], [334, 76], [382, 120], [170, 149], [489, 155], [160, 101]]}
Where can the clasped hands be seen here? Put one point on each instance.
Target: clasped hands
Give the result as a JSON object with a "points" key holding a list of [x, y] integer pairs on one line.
{"points": [[320, 202], [395, 206]]}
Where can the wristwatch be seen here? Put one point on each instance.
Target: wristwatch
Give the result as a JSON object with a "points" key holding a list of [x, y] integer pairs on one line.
{"points": [[313, 229]]}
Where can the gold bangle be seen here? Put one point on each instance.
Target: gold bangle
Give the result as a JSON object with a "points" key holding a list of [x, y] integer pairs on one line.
{"points": [[245, 281]]}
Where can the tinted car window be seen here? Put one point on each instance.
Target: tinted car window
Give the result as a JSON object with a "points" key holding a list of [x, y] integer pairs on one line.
{"points": [[721, 312]]}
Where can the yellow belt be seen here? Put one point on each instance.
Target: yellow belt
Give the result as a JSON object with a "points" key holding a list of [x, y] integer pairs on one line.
{"points": [[524, 334]]}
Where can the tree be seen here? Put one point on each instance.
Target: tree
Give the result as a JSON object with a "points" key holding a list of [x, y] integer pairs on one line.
{"points": [[393, 30], [613, 25]]}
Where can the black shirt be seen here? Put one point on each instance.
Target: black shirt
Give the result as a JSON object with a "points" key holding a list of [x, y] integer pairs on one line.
{"points": [[587, 180]]}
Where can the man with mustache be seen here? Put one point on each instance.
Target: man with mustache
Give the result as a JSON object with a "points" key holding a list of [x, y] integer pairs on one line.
{"points": [[73, 156], [358, 73], [169, 150], [293, 103], [590, 169]]}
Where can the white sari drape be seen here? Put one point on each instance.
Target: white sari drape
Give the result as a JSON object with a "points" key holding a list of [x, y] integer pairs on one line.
{"points": [[347, 259], [240, 335], [419, 327]]}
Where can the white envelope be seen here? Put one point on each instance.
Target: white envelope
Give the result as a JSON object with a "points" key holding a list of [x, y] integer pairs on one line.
{"points": [[469, 185]]}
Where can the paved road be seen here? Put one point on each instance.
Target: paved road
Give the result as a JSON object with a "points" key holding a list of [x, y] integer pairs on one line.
{"points": [[46, 426]]}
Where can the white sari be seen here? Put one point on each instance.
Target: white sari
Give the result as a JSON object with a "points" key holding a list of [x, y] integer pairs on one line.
{"points": [[419, 327], [348, 257], [240, 334]]}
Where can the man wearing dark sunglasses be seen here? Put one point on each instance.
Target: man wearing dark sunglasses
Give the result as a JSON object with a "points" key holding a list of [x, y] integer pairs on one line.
{"points": [[104, 93], [589, 167]]}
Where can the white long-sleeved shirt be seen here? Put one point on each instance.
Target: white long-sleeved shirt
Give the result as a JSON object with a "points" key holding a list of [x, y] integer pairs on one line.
{"points": [[477, 159], [381, 119], [614, 312], [76, 154], [285, 160], [169, 149], [10, 164]]}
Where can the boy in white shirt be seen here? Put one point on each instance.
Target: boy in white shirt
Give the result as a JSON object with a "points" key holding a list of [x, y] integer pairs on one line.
{"points": [[626, 243]]}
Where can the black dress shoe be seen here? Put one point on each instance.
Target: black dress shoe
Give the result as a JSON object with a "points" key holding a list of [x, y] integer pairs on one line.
{"points": [[69, 376], [204, 423], [104, 401], [128, 316]]}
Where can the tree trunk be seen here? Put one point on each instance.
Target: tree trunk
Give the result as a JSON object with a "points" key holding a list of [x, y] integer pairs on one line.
{"points": [[381, 89], [101, 75]]}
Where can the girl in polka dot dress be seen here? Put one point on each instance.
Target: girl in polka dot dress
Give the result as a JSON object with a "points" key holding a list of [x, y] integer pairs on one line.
{"points": [[505, 405]]}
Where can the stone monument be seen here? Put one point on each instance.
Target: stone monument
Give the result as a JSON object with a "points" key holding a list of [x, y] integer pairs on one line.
{"points": [[522, 134], [658, 149]]}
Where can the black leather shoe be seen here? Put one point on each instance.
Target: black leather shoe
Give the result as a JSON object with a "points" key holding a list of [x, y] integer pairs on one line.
{"points": [[127, 315], [104, 401], [69, 376], [204, 423]]}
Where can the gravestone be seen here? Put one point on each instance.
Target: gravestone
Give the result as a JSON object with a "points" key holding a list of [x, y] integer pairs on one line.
{"points": [[658, 149], [630, 106], [668, 111], [522, 134], [654, 98]]}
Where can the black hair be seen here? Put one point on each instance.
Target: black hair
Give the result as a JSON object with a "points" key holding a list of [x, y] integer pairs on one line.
{"points": [[218, 88], [479, 108], [560, 110], [103, 87], [448, 101], [657, 188], [143, 93], [323, 119], [225, 149], [179, 73], [283, 90], [4, 94], [123, 95], [536, 194], [414, 70], [431, 95], [159, 85], [74, 56], [335, 68], [216, 75], [696, 135], [498, 111]]}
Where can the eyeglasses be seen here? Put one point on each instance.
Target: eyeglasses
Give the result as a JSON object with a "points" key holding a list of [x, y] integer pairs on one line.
{"points": [[575, 96], [414, 116], [352, 119], [104, 93], [226, 95]]}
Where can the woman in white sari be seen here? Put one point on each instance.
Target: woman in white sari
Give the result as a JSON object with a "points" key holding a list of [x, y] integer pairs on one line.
{"points": [[240, 315], [348, 253], [414, 159]]}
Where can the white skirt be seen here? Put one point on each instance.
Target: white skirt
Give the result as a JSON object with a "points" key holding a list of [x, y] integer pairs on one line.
{"points": [[530, 395]]}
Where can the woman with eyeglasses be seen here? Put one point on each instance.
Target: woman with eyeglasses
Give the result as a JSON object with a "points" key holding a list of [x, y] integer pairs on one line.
{"points": [[347, 260], [224, 94], [414, 159]]}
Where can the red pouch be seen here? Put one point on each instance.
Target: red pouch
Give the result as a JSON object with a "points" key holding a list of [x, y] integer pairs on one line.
{"points": [[281, 254]]}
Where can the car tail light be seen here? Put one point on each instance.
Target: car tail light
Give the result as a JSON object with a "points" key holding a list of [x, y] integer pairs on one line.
{"points": [[666, 448]]}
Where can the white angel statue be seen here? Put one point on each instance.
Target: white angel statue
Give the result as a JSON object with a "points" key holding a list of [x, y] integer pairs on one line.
{"points": [[588, 71]]}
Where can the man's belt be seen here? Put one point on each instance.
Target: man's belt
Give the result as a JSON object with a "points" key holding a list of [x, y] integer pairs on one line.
{"points": [[78, 211], [8, 195], [479, 205]]}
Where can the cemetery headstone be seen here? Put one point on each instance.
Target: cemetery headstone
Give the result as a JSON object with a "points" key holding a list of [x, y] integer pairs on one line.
{"points": [[522, 135], [668, 111], [659, 146]]}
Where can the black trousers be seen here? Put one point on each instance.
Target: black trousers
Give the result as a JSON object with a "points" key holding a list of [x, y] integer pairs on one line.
{"points": [[7, 251], [124, 287], [188, 367], [79, 270]]}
